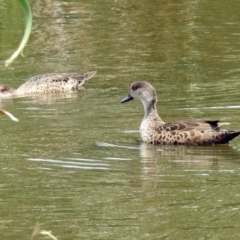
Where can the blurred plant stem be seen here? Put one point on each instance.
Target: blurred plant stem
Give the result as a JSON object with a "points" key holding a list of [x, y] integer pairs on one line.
{"points": [[28, 16]]}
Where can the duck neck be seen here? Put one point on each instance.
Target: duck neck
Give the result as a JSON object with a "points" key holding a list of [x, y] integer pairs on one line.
{"points": [[151, 110], [13, 92]]}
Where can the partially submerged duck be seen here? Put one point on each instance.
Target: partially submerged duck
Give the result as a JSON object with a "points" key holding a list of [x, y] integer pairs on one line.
{"points": [[154, 130], [48, 83]]}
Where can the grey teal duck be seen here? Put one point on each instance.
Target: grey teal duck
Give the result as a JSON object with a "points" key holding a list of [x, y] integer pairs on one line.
{"points": [[189, 132], [48, 83]]}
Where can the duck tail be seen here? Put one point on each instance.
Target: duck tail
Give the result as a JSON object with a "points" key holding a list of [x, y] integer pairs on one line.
{"points": [[229, 136], [89, 75], [82, 78]]}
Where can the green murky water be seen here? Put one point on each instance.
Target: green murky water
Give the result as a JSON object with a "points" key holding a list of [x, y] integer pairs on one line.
{"points": [[74, 163]]}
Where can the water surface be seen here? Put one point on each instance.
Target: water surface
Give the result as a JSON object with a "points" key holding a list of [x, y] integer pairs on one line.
{"points": [[74, 163]]}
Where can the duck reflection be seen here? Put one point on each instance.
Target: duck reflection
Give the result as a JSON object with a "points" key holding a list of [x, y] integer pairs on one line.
{"points": [[50, 98], [188, 155], [174, 162]]}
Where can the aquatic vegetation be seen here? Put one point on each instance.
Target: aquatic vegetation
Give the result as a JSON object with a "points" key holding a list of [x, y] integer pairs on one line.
{"points": [[8, 114], [28, 28], [37, 231]]}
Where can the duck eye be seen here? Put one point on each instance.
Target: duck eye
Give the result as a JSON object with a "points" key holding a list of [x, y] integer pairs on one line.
{"points": [[135, 87], [4, 89]]}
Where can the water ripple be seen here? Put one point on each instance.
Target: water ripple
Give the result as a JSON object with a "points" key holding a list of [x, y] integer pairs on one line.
{"points": [[86, 164], [104, 144], [214, 107]]}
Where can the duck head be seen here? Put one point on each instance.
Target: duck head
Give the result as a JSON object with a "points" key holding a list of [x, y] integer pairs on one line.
{"points": [[143, 91], [6, 91]]}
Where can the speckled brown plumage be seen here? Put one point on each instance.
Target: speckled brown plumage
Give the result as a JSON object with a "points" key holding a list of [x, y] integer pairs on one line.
{"points": [[48, 83], [189, 132]]}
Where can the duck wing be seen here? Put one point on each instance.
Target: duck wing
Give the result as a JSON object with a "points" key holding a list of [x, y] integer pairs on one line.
{"points": [[189, 125], [198, 132], [54, 82], [60, 77]]}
